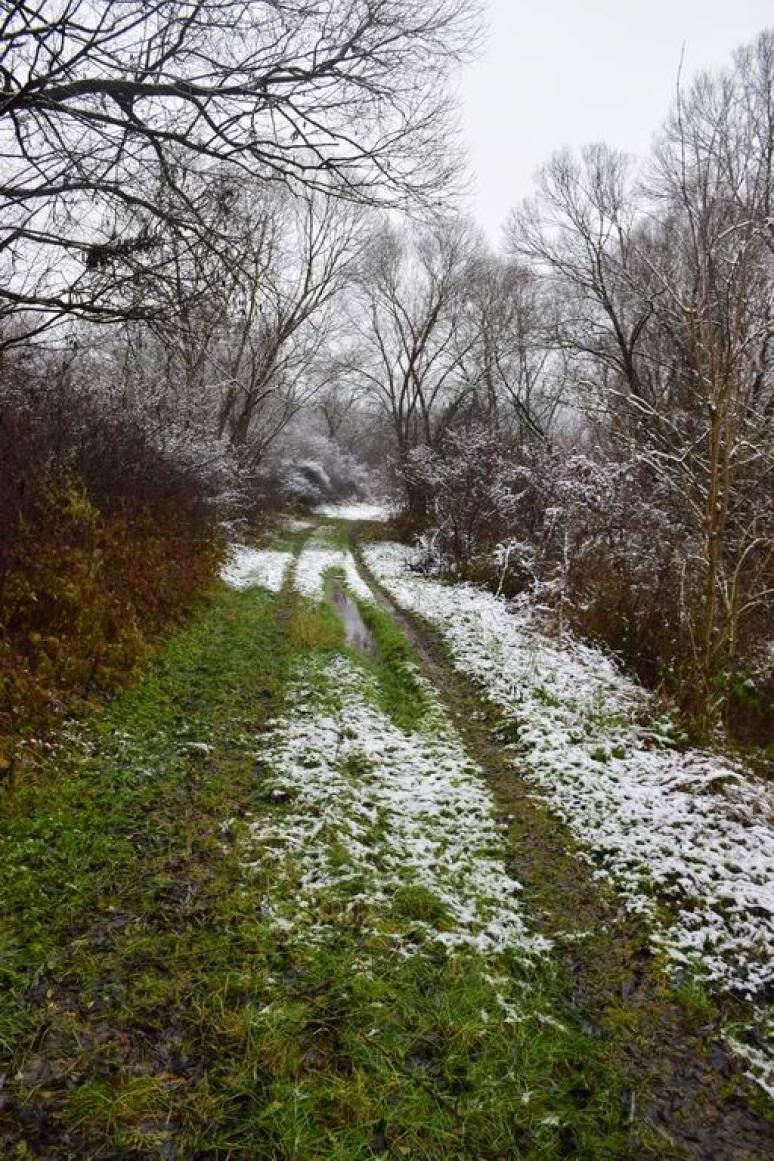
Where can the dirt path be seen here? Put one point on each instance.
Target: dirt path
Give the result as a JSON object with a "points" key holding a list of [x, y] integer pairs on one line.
{"points": [[287, 900]]}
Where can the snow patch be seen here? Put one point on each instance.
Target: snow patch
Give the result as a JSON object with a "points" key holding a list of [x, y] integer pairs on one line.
{"points": [[397, 828], [760, 1064], [316, 560], [376, 513], [255, 568], [688, 828]]}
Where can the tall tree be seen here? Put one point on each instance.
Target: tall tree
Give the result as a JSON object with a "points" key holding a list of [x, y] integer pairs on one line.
{"points": [[247, 328], [412, 319]]}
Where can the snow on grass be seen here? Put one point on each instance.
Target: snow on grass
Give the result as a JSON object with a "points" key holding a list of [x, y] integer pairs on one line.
{"points": [[316, 560], [686, 828], [760, 1063], [377, 513], [370, 822], [256, 568]]}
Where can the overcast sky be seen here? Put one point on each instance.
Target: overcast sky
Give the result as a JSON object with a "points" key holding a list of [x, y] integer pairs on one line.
{"points": [[565, 72]]}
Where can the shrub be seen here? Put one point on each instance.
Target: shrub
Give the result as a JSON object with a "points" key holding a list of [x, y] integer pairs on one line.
{"points": [[84, 597], [104, 540], [605, 546]]}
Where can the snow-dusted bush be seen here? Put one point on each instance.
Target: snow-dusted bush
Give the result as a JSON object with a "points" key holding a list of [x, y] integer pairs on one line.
{"points": [[602, 545], [306, 484], [309, 468], [105, 537], [70, 418], [471, 486]]}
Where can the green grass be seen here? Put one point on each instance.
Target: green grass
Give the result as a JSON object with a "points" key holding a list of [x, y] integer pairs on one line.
{"points": [[113, 880], [152, 1009], [284, 539], [336, 533], [401, 694]]}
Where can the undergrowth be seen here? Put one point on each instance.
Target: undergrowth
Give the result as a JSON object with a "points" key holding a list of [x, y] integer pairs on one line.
{"points": [[82, 596]]}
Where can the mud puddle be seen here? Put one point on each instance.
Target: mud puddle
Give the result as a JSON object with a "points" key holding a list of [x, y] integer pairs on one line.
{"points": [[356, 633]]}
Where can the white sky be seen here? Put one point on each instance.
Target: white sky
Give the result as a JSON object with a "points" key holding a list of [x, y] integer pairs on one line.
{"points": [[566, 72]]}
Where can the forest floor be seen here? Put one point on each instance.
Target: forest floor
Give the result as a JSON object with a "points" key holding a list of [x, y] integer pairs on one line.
{"points": [[366, 865]]}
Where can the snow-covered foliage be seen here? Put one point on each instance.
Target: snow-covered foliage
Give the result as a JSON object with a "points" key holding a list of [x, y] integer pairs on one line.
{"points": [[688, 829], [608, 544], [254, 567], [73, 420], [368, 813], [311, 468], [304, 483], [471, 485]]}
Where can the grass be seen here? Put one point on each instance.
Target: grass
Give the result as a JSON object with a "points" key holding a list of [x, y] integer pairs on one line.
{"points": [[152, 1009], [113, 884], [401, 694], [336, 533]]}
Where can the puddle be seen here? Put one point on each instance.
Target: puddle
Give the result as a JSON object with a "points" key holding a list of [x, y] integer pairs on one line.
{"points": [[356, 633]]}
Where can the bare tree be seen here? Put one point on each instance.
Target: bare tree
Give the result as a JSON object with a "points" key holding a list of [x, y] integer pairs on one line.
{"points": [[520, 377], [412, 320], [580, 234], [247, 329], [668, 287], [106, 105], [274, 357], [716, 287]]}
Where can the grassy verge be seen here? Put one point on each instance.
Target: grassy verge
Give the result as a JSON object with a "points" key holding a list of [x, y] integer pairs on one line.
{"points": [[126, 956], [401, 694]]}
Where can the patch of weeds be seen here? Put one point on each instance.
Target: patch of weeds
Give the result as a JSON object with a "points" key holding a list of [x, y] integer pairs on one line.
{"points": [[285, 539], [315, 628], [697, 1004], [416, 1055], [545, 697], [335, 533], [413, 901], [355, 764], [508, 731]]}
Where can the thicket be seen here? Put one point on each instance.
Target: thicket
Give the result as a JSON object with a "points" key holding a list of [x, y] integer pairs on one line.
{"points": [[104, 541], [604, 548]]}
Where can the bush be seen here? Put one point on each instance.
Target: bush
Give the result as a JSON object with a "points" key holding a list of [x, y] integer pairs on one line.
{"points": [[604, 546], [85, 596], [104, 540]]}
